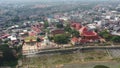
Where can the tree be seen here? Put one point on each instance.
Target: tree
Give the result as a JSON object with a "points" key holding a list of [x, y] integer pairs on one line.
{"points": [[1, 41], [67, 28], [75, 33], [16, 19], [8, 55], [50, 38], [59, 25], [38, 40], [61, 39], [105, 34], [100, 66], [27, 18], [46, 24], [115, 39]]}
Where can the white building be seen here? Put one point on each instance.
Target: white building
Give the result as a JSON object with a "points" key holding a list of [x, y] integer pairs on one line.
{"points": [[12, 38]]}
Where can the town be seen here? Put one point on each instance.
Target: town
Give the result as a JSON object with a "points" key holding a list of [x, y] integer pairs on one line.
{"points": [[38, 27]]}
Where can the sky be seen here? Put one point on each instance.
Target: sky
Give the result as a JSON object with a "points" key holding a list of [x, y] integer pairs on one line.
{"points": [[50, 0]]}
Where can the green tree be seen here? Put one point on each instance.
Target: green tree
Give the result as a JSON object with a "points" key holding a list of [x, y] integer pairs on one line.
{"points": [[38, 40], [115, 39], [75, 33], [105, 34], [50, 38], [1, 41], [8, 55], [100, 66], [61, 39], [46, 24], [59, 25], [16, 19], [67, 28]]}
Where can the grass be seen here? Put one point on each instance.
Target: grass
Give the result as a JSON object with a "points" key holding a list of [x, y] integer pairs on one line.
{"points": [[116, 59], [94, 55], [48, 61]]}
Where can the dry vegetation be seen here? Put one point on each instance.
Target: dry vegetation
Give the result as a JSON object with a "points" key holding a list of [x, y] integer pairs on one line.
{"points": [[48, 61]]}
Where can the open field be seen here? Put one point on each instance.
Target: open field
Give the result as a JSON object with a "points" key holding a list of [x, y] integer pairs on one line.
{"points": [[84, 59], [92, 64]]}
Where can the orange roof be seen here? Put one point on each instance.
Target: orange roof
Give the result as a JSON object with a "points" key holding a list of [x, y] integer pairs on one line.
{"points": [[74, 39], [88, 33], [32, 33], [85, 32], [83, 29], [84, 40], [36, 28], [76, 26], [4, 36]]}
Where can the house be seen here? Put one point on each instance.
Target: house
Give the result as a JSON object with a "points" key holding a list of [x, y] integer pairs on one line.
{"points": [[74, 40], [57, 31], [30, 45], [3, 36], [32, 33], [37, 27], [76, 26], [116, 31], [88, 34], [91, 26], [84, 41], [23, 34], [12, 38], [79, 40], [30, 39]]}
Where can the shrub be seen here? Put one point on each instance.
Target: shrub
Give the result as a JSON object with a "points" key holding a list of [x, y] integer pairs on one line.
{"points": [[100, 66]]}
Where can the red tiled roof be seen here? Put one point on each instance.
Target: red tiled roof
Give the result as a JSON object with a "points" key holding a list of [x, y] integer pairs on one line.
{"points": [[76, 26], [4, 36], [88, 33], [36, 29], [93, 37], [84, 29], [74, 39], [32, 33], [57, 31], [84, 32], [84, 40]]}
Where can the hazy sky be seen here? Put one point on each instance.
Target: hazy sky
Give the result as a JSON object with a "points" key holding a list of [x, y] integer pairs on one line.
{"points": [[49, 0], [56, 0]]}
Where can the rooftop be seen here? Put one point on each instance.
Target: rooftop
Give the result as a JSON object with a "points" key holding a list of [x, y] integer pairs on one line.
{"points": [[30, 39]]}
